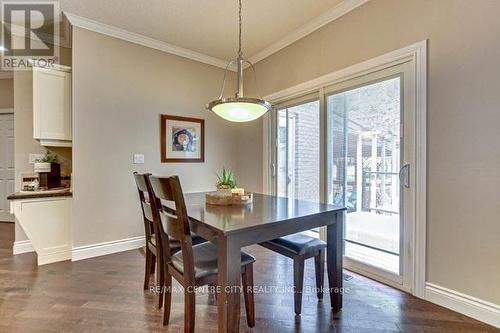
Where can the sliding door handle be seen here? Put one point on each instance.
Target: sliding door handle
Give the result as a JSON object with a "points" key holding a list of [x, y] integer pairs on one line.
{"points": [[404, 175]]}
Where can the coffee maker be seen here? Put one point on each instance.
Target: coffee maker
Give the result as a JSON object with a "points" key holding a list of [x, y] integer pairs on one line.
{"points": [[49, 175]]}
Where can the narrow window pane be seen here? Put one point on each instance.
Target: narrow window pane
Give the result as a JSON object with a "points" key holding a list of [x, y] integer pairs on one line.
{"points": [[298, 150], [281, 173], [304, 150]]}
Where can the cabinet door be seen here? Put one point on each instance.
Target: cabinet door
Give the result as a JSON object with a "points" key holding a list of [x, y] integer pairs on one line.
{"points": [[51, 104], [47, 223]]}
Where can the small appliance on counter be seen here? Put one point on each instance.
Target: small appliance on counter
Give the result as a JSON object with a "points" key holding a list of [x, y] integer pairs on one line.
{"points": [[49, 174], [29, 182]]}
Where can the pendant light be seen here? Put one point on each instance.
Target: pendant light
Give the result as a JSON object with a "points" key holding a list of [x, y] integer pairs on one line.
{"points": [[239, 108]]}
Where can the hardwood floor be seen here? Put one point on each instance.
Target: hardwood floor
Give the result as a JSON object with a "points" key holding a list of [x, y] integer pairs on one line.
{"points": [[105, 295]]}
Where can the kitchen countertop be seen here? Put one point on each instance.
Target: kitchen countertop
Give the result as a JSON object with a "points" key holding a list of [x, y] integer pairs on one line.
{"points": [[40, 194]]}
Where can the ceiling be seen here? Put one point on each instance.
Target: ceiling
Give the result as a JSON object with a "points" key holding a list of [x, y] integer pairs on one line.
{"points": [[205, 26]]}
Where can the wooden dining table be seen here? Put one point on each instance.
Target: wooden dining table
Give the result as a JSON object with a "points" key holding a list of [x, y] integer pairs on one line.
{"points": [[268, 217]]}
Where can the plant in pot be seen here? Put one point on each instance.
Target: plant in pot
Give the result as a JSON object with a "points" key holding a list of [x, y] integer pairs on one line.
{"points": [[225, 182], [49, 170]]}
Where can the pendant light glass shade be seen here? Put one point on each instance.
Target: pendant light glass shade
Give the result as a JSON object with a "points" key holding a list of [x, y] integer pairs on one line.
{"points": [[239, 108]]}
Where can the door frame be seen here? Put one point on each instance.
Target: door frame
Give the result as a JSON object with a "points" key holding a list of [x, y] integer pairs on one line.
{"points": [[416, 54], [9, 111]]}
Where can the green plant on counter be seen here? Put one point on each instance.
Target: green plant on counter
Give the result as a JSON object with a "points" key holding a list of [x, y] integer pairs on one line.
{"points": [[49, 157], [226, 179]]}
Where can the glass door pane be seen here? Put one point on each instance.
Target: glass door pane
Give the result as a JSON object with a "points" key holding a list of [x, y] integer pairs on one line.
{"points": [[365, 149], [298, 151]]}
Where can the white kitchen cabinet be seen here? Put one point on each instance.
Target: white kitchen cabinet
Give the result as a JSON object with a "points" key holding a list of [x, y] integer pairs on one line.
{"points": [[47, 223], [52, 106]]}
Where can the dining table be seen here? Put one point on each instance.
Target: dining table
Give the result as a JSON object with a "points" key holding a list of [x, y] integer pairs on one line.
{"points": [[267, 217]]}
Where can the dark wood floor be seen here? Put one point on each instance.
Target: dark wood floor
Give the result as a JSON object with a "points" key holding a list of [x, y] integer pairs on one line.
{"points": [[105, 295]]}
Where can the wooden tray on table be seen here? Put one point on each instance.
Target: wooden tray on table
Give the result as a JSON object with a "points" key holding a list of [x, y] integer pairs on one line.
{"points": [[216, 199]]}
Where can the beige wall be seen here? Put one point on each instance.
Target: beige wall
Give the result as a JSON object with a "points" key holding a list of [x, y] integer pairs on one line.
{"points": [[119, 91], [6, 93], [463, 117], [249, 167]]}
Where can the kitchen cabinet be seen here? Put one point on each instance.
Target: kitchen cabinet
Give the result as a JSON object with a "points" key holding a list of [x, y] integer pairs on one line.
{"points": [[47, 223], [52, 106]]}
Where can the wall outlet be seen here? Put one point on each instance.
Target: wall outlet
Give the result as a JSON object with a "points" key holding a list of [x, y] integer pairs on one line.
{"points": [[138, 158], [33, 157]]}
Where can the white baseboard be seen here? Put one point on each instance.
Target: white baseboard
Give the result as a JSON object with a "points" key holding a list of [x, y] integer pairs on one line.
{"points": [[470, 306], [53, 255], [61, 253], [88, 251], [24, 246], [101, 249]]}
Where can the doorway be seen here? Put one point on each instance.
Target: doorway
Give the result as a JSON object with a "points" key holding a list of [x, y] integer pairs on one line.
{"points": [[372, 157], [6, 164], [371, 149]]}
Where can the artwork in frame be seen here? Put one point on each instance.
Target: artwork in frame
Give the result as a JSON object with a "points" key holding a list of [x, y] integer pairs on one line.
{"points": [[182, 139]]}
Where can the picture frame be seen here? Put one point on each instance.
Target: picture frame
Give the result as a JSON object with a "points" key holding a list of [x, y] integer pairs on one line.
{"points": [[182, 139]]}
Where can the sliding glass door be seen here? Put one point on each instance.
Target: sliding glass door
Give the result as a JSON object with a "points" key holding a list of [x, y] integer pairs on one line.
{"points": [[352, 144], [370, 146], [364, 168]]}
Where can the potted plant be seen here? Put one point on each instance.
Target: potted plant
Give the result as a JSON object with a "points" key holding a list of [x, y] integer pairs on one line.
{"points": [[49, 170], [46, 161], [225, 182]]}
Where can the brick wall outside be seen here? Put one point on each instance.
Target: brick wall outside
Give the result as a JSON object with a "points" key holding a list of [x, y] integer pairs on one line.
{"points": [[305, 174]]}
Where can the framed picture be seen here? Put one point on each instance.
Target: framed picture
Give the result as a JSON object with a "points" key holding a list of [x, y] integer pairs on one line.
{"points": [[182, 139]]}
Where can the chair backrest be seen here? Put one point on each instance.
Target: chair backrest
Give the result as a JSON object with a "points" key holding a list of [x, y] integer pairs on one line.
{"points": [[147, 206], [174, 220]]}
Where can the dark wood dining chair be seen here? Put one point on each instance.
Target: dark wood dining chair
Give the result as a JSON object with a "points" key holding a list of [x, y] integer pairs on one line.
{"points": [[153, 242], [195, 265], [300, 247], [149, 226]]}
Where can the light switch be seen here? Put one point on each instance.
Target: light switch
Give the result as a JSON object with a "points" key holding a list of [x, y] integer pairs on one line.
{"points": [[138, 159]]}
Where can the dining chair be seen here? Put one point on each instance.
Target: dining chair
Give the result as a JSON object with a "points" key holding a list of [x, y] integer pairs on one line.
{"points": [[149, 226], [300, 247], [195, 265], [153, 242]]}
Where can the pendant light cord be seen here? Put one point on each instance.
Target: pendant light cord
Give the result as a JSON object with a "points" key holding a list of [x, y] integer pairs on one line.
{"points": [[240, 57], [240, 52]]}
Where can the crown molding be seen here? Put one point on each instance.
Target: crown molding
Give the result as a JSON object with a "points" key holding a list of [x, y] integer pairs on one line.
{"points": [[336, 12], [105, 29]]}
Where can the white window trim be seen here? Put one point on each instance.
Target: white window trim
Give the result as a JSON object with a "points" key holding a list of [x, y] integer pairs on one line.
{"points": [[417, 53]]}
